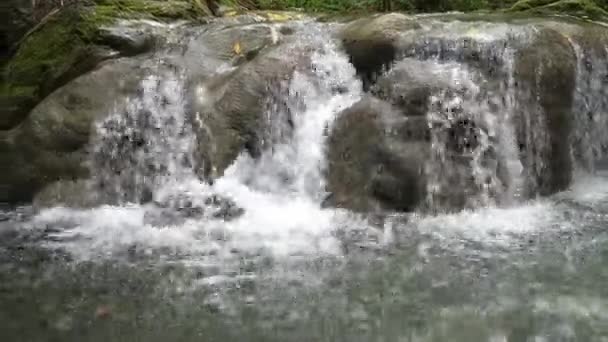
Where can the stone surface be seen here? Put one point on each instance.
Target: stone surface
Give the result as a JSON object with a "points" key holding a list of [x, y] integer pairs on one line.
{"points": [[372, 42], [376, 159], [546, 74]]}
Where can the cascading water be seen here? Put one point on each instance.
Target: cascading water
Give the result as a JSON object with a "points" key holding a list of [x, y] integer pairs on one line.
{"points": [[590, 141], [475, 161], [145, 146], [271, 203]]}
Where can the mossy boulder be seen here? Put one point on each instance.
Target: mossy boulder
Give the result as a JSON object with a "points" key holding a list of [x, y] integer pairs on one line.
{"points": [[72, 42], [376, 159], [545, 71]]}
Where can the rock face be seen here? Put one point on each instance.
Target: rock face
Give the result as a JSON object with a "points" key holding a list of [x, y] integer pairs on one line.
{"points": [[546, 71], [408, 86], [235, 121], [376, 158], [51, 144], [373, 42]]}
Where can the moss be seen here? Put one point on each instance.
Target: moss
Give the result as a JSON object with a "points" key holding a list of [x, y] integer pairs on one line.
{"points": [[576, 7], [580, 8], [524, 5], [108, 10], [68, 45]]}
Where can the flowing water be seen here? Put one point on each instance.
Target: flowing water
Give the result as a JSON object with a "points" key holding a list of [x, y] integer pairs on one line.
{"points": [[254, 257]]}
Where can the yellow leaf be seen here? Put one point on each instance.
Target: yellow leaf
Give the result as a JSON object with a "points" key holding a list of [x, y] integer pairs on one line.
{"points": [[237, 48]]}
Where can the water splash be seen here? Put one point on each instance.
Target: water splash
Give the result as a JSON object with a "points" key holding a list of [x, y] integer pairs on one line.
{"points": [[264, 206]]}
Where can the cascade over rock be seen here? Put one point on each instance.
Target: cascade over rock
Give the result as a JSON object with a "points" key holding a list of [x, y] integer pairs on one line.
{"points": [[384, 113], [546, 75], [373, 42]]}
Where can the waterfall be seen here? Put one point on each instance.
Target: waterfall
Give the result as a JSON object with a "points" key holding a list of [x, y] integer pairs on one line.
{"points": [[268, 204], [475, 161], [146, 145], [590, 141]]}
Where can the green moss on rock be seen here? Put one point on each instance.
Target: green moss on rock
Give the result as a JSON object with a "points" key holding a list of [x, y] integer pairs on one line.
{"points": [[69, 44], [580, 8]]}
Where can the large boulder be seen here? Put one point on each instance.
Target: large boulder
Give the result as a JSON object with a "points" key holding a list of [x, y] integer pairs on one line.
{"points": [[546, 71], [376, 159], [230, 108], [50, 145], [409, 84], [373, 42]]}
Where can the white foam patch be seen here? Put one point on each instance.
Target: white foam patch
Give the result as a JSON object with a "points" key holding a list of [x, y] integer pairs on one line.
{"points": [[279, 230], [499, 226], [587, 189]]}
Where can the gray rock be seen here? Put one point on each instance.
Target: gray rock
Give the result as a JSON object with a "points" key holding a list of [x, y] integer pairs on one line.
{"points": [[373, 42], [546, 74], [373, 163]]}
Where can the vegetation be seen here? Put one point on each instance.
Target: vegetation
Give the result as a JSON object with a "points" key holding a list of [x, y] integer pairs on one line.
{"points": [[593, 8]]}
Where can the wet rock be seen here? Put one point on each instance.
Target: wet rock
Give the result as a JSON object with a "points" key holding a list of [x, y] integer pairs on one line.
{"points": [[372, 42], [131, 38], [546, 74], [372, 164], [50, 145], [410, 83], [230, 110], [211, 49], [175, 210], [72, 40]]}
